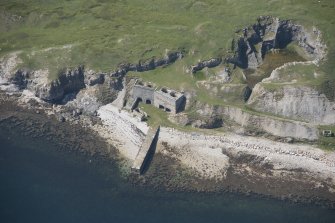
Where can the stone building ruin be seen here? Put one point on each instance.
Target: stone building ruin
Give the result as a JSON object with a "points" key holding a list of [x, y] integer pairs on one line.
{"points": [[169, 100], [164, 98], [144, 92]]}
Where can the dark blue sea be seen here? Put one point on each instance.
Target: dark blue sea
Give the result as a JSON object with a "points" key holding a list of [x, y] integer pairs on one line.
{"points": [[39, 184]]}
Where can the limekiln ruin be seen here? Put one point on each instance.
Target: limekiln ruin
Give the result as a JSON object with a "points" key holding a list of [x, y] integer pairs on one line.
{"points": [[163, 98]]}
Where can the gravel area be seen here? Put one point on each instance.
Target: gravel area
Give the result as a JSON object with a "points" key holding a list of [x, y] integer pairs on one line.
{"points": [[207, 153]]}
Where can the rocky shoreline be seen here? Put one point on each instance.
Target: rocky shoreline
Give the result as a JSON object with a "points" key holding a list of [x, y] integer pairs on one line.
{"points": [[246, 173], [88, 112], [37, 124]]}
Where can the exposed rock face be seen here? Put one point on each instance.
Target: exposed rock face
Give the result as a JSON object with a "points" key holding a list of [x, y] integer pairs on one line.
{"points": [[147, 65], [92, 78], [260, 123], [253, 42], [153, 63], [210, 123], [273, 126], [69, 81], [8, 65], [115, 79], [206, 63], [115, 86], [294, 102], [20, 78], [246, 93], [302, 103]]}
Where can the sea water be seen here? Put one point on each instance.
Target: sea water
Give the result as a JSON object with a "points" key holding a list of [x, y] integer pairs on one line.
{"points": [[39, 184]]}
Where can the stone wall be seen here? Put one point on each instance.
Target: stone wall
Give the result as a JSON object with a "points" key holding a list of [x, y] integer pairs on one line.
{"points": [[168, 100], [145, 93]]}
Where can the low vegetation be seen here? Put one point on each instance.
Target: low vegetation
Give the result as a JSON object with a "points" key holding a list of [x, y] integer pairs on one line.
{"points": [[327, 142], [101, 34]]}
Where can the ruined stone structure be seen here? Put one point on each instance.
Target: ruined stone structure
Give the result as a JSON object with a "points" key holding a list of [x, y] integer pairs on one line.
{"points": [[144, 92], [164, 98], [169, 100], [146, 151]]}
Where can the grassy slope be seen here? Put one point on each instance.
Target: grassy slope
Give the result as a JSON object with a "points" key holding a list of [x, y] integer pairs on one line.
{"points": [[105, 33]]}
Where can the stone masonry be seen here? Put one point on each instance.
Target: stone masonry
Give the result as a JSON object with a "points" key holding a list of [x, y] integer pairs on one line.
{"points": [[169, 100], [144, 92], [163, 98]]}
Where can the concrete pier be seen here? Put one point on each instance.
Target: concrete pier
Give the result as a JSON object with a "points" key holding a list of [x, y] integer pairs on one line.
{"points": [[148, 147]]}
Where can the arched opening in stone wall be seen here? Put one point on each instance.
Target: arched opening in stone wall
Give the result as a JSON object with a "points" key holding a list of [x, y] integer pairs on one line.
{"points": [[148, 101], [136, 102], [164, 90], [167, 110], [161, 107]]}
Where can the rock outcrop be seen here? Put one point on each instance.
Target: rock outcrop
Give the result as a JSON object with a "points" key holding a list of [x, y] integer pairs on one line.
{"points": [[254, 123], [272, 125], [246, 93], [146, 65], [8, 66], [20, 78], [253, 42], [92, 78], [206, 63], [302, 103], [69, 81], [115, 79], [210, 123]]}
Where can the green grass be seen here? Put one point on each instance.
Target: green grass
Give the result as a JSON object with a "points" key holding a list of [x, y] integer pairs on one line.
{"points": [[155, 116], [304, 75], [327, 143], [293, 47], [172, 76], [272, 61], [158, 117], [101, 34], [106, 33], [299, 73]]}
